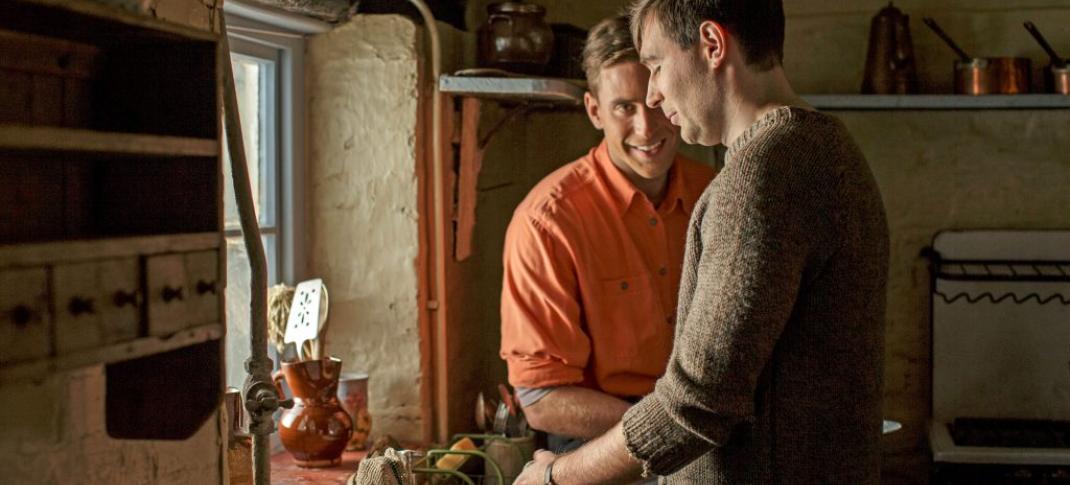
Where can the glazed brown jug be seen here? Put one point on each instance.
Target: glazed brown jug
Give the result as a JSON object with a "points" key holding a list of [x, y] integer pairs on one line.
{"points": [[515, 38], [315, 431]]}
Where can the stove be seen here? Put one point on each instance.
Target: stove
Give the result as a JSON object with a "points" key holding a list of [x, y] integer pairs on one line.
{"points": [[1000, 354]]}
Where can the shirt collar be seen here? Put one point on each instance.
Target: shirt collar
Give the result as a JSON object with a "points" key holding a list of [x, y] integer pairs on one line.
{"points": [[624, 192]]}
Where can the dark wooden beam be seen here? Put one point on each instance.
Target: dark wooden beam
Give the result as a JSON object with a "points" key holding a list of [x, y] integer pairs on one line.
{"points": [[328, 10]]}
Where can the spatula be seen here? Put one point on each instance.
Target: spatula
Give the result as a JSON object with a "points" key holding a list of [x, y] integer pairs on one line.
{"points": [[306, 316]]}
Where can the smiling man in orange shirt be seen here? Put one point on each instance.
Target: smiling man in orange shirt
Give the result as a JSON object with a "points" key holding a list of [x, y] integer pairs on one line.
{"points": [[593, 257]]}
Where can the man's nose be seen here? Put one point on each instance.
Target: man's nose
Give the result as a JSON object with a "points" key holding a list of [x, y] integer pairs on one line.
{"points": [[653, 96], [646, 121]]}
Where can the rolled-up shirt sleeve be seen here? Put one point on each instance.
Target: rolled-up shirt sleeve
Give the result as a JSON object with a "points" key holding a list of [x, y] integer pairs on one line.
{"points": [[543, 342]]}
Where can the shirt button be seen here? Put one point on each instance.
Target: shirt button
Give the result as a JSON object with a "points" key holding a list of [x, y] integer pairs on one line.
{"points": [[653, 221], [663, 271], [624, 285]]}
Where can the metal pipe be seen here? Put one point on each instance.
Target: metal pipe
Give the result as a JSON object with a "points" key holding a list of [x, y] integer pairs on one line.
{"points": [[439, 221], [261, 398]]}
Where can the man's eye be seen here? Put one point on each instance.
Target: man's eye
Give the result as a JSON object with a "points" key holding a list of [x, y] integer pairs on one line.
{"points": [[625, 108]]}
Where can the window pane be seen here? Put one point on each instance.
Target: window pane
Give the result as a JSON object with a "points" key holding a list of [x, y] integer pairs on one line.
{"points": [[238, 302], [253, 87]]}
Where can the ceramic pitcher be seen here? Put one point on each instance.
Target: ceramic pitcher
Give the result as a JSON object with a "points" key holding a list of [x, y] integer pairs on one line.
{"points": [[315, 431]]}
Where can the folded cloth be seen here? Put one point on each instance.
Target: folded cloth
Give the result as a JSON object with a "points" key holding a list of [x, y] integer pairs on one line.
{"points": [[386, 469]]}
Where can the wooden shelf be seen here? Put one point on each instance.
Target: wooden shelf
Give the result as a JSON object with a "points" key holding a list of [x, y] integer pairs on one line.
{"points": [[71, 251], [520, 89], [39, 369], [93, 11], [54, 139], [936, 102]]}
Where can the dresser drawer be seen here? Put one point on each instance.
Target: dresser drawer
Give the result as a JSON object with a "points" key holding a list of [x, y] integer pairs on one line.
{"points": [[202, 277], [24, 318], [77, 304], [121, 299], [168, 293]]}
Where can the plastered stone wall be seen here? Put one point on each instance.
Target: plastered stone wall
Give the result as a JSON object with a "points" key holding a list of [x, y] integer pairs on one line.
{"points": [[54, 432], [362, 80]]}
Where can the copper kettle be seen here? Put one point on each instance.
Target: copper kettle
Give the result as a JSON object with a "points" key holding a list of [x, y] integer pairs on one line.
{"points": [[890, 60]]}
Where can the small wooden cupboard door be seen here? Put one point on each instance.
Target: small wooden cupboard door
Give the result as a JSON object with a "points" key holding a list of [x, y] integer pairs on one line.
{"points": [[202, 273], [77, 305], [168, 293], [24, 318], [121, 299]]}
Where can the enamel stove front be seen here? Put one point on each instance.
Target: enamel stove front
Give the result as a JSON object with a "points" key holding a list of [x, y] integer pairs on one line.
{"points": [[1001, 357]]}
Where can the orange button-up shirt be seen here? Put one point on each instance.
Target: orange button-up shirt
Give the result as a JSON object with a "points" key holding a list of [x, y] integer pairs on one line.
{"points": [[592, 269]]}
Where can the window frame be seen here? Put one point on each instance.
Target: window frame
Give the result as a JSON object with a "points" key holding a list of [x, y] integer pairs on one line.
{"points": [[256, 39]]}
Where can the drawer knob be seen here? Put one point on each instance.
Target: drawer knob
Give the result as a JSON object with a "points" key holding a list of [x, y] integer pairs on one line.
{"points": [[169, 294], [81, 306], [204, 287], [21, 315], [124, 298]]}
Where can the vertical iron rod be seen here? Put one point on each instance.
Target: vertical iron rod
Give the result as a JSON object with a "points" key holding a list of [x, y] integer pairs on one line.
{"points": [[261, 398]]}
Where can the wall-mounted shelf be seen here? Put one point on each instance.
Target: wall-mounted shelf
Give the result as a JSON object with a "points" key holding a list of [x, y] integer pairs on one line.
{"points": [[38, 369], [47, 138], [74, 251], [936, 101], [520, 89]]}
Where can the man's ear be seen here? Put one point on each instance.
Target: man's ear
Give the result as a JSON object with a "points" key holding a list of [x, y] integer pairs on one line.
{"points": [[712, 43], [590, 102]]}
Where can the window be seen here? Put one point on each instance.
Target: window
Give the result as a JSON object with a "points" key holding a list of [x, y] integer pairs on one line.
{"points": [[268, 74]]}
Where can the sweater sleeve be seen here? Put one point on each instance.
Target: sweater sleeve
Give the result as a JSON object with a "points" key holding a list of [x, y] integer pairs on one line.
{"points": [[756, 236]]}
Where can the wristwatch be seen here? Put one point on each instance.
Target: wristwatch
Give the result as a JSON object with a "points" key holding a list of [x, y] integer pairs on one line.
{"points": [[548, 477]]}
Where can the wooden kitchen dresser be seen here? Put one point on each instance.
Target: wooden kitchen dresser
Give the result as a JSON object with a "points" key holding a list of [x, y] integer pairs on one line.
{"points": [[111, 242]]}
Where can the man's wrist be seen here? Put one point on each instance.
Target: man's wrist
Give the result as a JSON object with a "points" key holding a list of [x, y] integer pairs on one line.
{"points": [[548, 476]]}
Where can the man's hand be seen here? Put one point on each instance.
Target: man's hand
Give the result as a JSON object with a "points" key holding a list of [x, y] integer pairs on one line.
{"points": [[534, 472]]}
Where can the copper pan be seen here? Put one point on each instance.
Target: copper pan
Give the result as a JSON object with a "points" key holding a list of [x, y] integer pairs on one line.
{"points": [[993, 75], [985, 75], [1057, 73]]}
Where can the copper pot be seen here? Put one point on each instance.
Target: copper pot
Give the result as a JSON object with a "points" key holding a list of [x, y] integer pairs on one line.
{"points": [[515, 38], [993, 75], [1057, 74], [315, 431], [1057, 79]]}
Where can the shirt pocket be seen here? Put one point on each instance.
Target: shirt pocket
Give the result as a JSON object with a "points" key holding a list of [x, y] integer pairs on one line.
{"points": [[632, 321]]}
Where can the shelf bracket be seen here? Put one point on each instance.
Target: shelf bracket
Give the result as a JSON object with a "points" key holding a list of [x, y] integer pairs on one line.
{"points": [[472, 147]]}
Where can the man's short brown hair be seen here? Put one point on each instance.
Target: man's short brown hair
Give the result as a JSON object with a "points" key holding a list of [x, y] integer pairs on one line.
{"points": [[608, 43], [757, 24]]}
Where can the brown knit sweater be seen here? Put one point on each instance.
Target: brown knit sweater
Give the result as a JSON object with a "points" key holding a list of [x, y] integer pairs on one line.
{"points": [[776, 371]]}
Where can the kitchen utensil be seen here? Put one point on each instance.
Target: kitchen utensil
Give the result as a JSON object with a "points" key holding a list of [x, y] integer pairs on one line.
{"points": [[501, 418], [985, 75], [481, 412], [515, 38], [308, 313], [1057, 73], [507, 398], [890, 59]]}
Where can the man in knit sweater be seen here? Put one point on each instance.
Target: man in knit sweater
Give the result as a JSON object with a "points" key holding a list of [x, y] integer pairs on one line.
{"points": [[776, 370]]}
